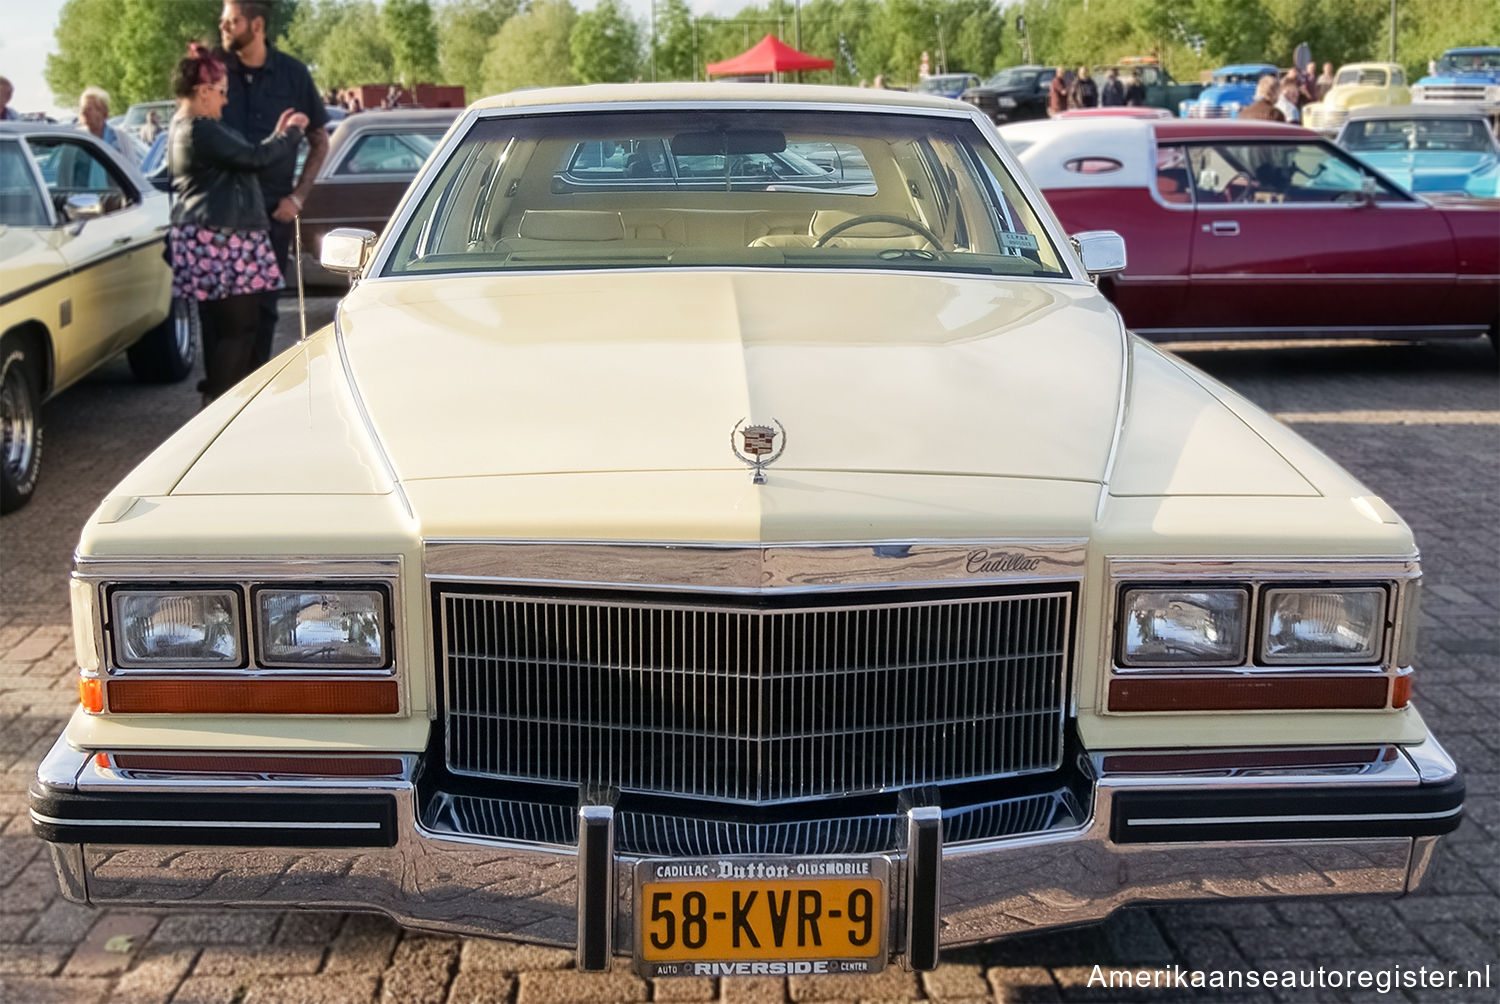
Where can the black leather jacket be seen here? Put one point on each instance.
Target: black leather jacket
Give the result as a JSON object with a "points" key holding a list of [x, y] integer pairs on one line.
{"points": [[214, 173]]}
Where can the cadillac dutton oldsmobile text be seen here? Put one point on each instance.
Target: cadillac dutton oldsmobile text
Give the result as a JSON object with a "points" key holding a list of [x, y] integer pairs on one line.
{"points": [[647, 561]]}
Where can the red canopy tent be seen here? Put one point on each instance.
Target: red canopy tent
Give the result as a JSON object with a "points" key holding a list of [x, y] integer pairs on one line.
{"points": [[769, 55]]}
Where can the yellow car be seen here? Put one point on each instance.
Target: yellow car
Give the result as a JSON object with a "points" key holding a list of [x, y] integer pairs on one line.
{"points": [[83, 277], [1356, 86], [727, 527]]}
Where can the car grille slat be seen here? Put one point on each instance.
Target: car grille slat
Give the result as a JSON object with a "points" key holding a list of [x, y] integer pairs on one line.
{"points": [[748, 704]]}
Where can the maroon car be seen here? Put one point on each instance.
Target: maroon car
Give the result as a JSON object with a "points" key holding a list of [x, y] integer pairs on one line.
{"points": [[1244, 230], [372, 159]]}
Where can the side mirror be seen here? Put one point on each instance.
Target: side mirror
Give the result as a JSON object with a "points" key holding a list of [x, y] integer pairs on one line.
{"points": [[83, 206], [1102, 251], [346, 250], [1368, 189]]}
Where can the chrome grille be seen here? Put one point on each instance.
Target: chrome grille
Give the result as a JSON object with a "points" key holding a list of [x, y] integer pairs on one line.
{"points": [[670, 835], [749, 704]]}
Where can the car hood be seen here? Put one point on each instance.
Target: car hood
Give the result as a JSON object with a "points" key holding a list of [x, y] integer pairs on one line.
{"points": [[1216, 94], [652, 371], [1439, 171]]}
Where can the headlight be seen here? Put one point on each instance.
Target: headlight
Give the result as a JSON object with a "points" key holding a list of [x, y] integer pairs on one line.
{"points": [[1184, 627], [177, 627], [1325, 625], [321, 627]]}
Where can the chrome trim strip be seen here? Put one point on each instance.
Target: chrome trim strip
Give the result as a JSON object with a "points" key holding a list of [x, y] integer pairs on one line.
{"points": [[1122, 408], [1431, 762], [754, 568], [219, 824], [1321, 817], [1395, 332], [364, 417]]}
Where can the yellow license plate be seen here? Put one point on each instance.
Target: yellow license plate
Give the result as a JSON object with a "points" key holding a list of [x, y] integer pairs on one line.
{"points": [[761, 916]]}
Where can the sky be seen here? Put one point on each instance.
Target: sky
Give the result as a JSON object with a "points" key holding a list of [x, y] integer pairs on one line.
{"points": [[30, 24]]}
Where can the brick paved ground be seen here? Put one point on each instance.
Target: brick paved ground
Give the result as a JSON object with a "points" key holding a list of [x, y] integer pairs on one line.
{"points": [[1418, 425]]}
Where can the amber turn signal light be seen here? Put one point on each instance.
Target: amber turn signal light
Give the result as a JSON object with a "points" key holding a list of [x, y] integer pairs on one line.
{"points": [[254, 697], [91, 694]]}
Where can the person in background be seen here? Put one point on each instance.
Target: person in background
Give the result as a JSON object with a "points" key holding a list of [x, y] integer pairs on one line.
{"points": [[1112, 95], [220, 237], [1135, 91], [1057, 92], [7, 113], [1267, 89], [152, 127], [93, 117], [263, 82], [1307, 85], [1085, 90], [1286, 101], [1325, 81]]}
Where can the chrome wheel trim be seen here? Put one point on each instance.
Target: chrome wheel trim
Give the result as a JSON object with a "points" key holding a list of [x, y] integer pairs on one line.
{"points": [[17, 423], [184, 314]]}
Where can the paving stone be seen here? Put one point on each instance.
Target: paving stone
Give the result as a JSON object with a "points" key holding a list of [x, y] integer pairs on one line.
{"points": [[112, 944], [343, 988], [481, 987], [23, 990], [211, 990], [752, 990], [31, 960], [155, 977], [227, 927], [299, 928], [259, 960], [512, 957], [693, 988], [892, 983], [951, 982], [573, 987], [420, 970], [364, 944]]}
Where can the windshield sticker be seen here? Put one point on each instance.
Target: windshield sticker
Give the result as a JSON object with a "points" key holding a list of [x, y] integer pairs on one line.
{"points": [[1021, 242]]}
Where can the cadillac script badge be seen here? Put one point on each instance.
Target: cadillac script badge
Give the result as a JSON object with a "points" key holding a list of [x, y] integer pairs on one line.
{"points": [[759, 440]]}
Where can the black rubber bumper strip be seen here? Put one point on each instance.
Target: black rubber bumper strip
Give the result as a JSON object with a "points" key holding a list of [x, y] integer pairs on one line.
{"points": [[249, 820], [1286, 814]]}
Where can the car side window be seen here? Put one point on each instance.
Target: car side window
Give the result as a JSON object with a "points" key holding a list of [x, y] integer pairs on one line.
{"points": [[20, 201], [71, 167], [1281, 173], [1398, 78], [387, 153], [1172, 181]]}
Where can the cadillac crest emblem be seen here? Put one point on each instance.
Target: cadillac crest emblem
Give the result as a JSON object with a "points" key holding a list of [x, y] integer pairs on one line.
{"points": [[758, 440]]}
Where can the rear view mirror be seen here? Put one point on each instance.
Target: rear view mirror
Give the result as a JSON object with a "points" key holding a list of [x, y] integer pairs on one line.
{"points": [[728, 141], [346, 250]]}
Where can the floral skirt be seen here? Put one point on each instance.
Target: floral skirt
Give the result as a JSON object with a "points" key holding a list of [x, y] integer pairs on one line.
{"points": [[211, 264]]}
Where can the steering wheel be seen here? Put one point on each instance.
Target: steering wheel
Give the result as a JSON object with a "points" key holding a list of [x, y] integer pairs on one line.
{"points": [[900, 221], [1243, 178]]}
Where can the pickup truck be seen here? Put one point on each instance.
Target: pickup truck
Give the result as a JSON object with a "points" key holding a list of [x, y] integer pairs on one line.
{"points": [[1467, 75], [1161, 90], [1233, 88]]}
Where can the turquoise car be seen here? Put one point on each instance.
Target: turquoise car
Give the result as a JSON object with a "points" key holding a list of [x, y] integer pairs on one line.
{"points": [[1427, 149]]}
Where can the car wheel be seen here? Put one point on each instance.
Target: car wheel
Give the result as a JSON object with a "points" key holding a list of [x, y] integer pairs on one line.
{"points": [[20, 424], [167, 352]]}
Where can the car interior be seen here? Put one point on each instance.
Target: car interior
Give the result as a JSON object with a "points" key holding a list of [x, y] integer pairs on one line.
{"points": [[512, 195]]}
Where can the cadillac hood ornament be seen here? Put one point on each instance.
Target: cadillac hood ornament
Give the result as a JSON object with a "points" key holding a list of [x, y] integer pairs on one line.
{"points": [[758, 441]]}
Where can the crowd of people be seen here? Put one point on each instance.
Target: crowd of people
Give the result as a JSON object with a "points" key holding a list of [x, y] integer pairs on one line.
{"points": [[1070, 89], [1278, 99]]}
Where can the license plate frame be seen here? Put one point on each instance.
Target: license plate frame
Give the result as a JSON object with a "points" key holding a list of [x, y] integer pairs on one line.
{"points": [[783, 877]]}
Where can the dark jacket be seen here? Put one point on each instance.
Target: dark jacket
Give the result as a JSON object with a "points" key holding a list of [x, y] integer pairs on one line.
{"points": [[1263, 110], [1085, 93], [1113, 94], [214, 173], [1135, 93]]}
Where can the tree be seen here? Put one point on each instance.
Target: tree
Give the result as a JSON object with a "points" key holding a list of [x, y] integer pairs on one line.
{"points": [[466, 29], [532, 49], [675, 56], [606, 45], [128, 47], [308, 28], [412, 35], [355, 50]]}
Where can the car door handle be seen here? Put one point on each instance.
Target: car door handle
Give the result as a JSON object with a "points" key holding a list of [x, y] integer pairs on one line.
{"points": [[122, 240], [1224, 228]]}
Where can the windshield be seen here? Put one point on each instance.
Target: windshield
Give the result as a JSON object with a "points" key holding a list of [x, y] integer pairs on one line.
{"points": [[1240, 78], [942, 85], [655, 189], [1012, 78], [1469, 135], [1366, 77], [1469, 62]]}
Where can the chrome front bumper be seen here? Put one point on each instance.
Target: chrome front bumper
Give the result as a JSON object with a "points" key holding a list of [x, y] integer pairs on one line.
{"points": [[1158, 827]]}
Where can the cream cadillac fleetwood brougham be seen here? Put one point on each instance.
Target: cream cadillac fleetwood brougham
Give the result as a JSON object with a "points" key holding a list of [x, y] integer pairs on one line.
{"points": [[726, 527]]}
